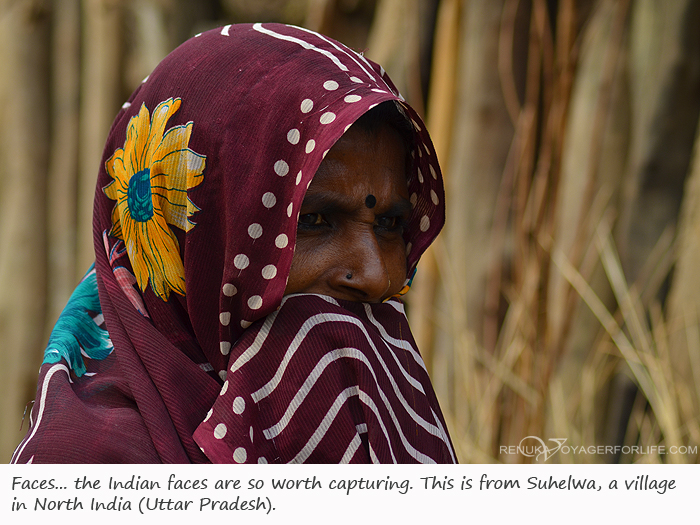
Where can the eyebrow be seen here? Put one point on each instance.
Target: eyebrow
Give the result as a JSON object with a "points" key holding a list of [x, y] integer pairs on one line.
{"points": [[399, 208], [330, 202]]}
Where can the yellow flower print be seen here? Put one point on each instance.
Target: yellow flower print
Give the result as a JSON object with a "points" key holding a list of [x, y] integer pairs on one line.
{"points": [[152, 174]]}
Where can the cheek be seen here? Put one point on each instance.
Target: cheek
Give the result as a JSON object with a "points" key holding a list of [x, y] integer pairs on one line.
{"points": [[298, 273], [395, 263], [305, 269]]}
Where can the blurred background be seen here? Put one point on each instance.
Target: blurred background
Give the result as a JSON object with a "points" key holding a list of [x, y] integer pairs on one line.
{"points": [[562, 299]]}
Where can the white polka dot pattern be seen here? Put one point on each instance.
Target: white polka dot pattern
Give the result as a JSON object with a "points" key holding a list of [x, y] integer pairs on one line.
{"points": [[293, 136], [269, 272], [241, 261], [240, 455], [255, 231], [269, 199], [327, 117], [238, 405], [281, 241], [220, 431], [281, 168], [307, 105], [424, 223], [255, 302]]}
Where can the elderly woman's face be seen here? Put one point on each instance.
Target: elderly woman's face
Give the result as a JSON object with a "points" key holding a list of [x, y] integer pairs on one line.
{"points": [[349, 238]]}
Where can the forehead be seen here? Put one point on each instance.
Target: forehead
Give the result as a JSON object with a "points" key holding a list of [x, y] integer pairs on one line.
{"points": [[364, 162]]}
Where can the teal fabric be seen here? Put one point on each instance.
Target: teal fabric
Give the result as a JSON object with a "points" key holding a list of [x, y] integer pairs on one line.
{"points": [[76, 333]]}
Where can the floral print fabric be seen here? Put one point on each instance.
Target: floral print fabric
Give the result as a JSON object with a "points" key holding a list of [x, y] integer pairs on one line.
{"points": [[79, 332], [152, 174]]}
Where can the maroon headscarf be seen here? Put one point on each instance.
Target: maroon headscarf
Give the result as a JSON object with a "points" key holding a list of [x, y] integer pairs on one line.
{"points": [[203, 176]]}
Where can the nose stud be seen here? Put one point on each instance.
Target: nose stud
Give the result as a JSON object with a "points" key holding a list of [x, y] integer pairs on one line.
{"points": [[348, 276], [370, 201]]}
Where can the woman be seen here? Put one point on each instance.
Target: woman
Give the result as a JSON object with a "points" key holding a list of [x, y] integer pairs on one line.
{"points": [[265, 196]]}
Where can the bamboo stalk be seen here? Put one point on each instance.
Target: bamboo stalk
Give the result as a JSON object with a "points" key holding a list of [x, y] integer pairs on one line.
{"points": [[24, 29], [63, 168], [101, 94], [439, 120]]}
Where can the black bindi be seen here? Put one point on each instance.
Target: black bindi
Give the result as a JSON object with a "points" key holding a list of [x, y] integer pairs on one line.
{"points": [[370, 201]]}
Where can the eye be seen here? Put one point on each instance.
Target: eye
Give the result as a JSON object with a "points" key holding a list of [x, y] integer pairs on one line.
{"points": [[389, 223], [311, 219]]}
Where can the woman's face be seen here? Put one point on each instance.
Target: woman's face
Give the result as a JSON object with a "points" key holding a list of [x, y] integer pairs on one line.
{"points": [[350, 234]]}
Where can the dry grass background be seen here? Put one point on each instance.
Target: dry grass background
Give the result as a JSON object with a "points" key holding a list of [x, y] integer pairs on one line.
{"points": [[563, 298]]}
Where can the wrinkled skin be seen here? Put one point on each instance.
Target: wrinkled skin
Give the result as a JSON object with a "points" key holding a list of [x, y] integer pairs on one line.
{"points": [[344, 248]]}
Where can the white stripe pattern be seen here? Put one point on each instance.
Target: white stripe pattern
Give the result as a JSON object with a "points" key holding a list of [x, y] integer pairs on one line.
{"points": [[347, 352], [321, 430], [353, 58], [42, 404], [352, 448], [303, 332], [314, 399], [401, 343], [259, 27], [301, 394], [253, 349]]}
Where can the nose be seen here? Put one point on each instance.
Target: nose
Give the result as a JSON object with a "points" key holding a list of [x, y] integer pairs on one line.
{"points": [[361, 273]]}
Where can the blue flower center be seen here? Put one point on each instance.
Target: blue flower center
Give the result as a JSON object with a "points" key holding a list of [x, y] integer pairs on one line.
{"points": [[138, 196]]}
